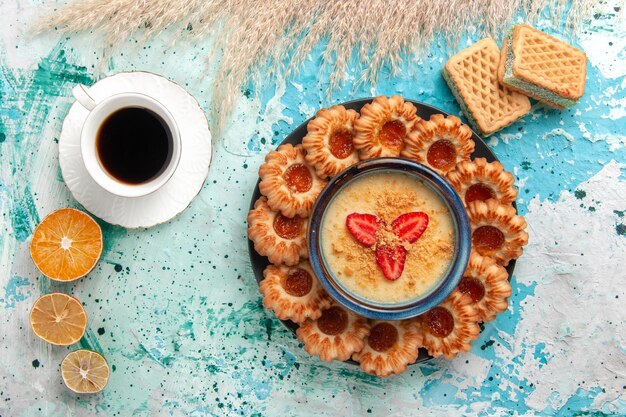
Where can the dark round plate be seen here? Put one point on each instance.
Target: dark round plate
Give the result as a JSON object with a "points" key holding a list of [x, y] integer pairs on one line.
{"points": [[259, 263]]}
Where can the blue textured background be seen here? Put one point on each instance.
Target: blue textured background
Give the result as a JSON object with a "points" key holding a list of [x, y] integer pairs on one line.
{"points": [[175, 308]]}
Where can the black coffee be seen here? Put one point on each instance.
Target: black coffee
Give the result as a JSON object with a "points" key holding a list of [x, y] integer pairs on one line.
{"points": [[134, 145]]}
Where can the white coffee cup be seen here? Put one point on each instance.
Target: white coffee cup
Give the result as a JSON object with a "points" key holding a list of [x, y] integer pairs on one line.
{"points": [[99, 111]]}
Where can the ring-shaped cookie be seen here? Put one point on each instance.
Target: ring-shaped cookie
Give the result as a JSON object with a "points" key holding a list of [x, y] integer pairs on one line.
{"points": [[281, 239], [482, 180], [289, 183], [497, 231], [383, 127], [329, 141], [487, 285], [390, 347], [335, 335], [293, 293], [440, 142], [450, 327]]}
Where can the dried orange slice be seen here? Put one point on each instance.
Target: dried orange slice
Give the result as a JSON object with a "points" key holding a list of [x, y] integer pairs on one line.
{"points": [[66, 245], [85, 371], [58, 318]]}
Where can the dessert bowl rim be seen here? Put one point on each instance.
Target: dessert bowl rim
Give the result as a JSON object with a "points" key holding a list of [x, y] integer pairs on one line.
{"points": [[445, 285]]}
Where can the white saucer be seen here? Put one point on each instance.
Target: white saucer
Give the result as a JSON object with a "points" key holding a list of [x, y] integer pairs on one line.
{"points": [[178, 192]]}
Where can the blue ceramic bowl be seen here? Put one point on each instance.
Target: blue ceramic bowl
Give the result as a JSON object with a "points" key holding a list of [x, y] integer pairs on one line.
{"points": [[457, 265]]}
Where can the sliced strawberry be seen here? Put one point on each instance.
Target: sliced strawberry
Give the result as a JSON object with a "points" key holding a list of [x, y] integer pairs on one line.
{"points": [[363, 227], [391, 260], [410, 226]]}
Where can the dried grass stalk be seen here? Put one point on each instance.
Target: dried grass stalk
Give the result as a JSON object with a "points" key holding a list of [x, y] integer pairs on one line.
{"points": [[257, 39]]}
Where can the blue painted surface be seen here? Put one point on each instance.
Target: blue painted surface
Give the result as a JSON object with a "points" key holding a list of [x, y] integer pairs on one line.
{"points": [[13, 292], [176, 311]]}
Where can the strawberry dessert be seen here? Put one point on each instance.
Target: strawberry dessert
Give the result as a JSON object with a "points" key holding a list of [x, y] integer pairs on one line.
{"points": [[387, 238]]}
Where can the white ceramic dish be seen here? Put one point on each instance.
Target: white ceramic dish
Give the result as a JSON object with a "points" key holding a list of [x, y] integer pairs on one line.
{"points": [[185, 183]]}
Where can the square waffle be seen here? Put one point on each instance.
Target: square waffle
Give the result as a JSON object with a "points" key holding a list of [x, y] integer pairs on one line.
{"points": [[472, 76], [543, 67]]}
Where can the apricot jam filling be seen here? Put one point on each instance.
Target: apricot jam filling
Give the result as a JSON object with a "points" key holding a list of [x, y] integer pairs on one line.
{"points": [[480, 192], [439, 321], [383, 337], [298, 283], [340, 144], [392, 135], [298, 178], [472, 287], [287, 228], [442, 154], [333, 321], [487, 239]]}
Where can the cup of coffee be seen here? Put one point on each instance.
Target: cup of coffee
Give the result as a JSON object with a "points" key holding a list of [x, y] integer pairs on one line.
{"points": [[129, 142]]}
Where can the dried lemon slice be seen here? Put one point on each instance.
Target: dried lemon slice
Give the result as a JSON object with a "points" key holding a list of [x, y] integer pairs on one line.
{"points": [[58, 318], [85, 371]]}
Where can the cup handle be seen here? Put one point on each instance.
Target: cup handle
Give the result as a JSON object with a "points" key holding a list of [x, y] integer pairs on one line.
{"points": [[81, 94]]}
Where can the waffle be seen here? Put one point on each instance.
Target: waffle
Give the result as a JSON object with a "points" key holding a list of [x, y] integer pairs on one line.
{"points": [[472, 76], [543, 67]]}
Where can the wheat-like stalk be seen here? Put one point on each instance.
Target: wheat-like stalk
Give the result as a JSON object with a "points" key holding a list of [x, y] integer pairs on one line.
{"points": [[255, 40]]}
